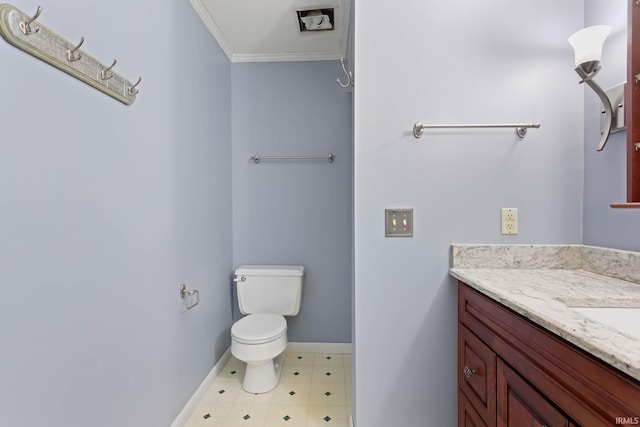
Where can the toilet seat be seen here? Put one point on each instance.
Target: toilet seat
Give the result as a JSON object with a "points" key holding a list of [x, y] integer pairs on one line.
{"points": [[259, 328]]}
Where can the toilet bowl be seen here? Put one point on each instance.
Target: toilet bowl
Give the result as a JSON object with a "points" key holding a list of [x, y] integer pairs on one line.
{"points": [[259, 340], [266, 293]]}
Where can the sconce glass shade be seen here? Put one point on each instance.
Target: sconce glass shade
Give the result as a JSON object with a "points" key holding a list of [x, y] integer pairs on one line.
{"points": [[587, 43]]}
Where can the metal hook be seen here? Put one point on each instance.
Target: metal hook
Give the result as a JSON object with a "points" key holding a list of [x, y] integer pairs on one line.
{"points": [[25, 26], [71, 53], [349, 74], [132, 89], [106, 73]]}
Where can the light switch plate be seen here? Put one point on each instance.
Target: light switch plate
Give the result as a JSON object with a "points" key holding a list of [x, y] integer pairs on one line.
{"points": [[398, 222]]}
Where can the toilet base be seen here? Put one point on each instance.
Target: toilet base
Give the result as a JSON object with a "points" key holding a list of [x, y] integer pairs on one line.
{"points": [[262, 377]]}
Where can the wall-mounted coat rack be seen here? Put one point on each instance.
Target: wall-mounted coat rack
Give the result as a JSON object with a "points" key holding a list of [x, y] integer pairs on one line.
{"points": [[27, 34]]}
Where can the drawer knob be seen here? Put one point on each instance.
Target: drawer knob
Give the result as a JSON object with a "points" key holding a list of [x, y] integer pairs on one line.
{"points": [[468, 371]]}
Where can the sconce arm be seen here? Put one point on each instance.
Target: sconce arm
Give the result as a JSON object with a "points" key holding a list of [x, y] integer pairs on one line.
{"points": [[587, 77]]}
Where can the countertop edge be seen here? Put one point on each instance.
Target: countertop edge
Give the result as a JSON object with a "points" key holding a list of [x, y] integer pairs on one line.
{"points": [[560, 320]]}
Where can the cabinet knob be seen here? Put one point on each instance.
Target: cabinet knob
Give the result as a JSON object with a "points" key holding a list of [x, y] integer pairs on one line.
{"points": [[468, 371]]}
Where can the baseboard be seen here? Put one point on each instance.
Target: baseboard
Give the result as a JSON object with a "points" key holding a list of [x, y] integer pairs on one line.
{"points": [[320, 347], [183, 416]]}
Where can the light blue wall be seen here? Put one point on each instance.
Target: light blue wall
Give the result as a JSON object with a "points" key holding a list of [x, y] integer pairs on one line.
{"points": [[104, 211], [443, 62], [296, 212], [606, 171]]}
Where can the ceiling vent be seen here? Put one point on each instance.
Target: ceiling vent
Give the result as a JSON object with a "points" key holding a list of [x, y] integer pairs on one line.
{"points": [[316, 20]]}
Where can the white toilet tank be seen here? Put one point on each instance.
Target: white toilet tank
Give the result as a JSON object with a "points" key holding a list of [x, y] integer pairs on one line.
{"points": [[273, 289]]}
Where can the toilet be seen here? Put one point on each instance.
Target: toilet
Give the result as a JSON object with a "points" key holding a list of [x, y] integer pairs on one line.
{"points": [[266, 293]]}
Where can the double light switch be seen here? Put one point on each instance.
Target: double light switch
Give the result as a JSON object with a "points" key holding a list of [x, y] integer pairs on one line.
{"points": [[398, 222]]}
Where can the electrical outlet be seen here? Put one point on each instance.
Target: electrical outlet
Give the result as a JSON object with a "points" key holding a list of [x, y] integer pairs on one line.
{"points": [[509, 220]]}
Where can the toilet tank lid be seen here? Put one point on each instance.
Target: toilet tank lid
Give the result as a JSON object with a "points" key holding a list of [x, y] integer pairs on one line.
{"points": [[270, 270]]}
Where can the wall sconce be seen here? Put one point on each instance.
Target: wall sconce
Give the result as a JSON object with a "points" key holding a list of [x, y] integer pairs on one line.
{"points": [[587, 44]]}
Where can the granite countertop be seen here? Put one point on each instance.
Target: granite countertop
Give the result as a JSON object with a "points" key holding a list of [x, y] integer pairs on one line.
{"points": [[543, 283]]}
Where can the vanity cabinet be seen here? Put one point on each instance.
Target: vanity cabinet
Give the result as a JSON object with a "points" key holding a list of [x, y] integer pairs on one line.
{"points": [[512, 372]]}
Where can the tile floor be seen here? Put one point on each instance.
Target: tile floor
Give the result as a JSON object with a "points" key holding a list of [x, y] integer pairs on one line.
{"points": [[314, 390]]}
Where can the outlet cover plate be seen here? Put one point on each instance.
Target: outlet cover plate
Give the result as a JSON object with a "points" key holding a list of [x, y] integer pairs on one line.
{"points": [[509, 220], [398, 222]]}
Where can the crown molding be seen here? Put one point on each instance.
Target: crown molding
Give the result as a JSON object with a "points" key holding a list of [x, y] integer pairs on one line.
{"points": [[284, 57], [204, 14]]}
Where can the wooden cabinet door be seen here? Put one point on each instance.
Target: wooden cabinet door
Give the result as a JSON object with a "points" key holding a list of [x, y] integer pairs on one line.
{"points": [[477, 374], [520, 405], [467, 415]]}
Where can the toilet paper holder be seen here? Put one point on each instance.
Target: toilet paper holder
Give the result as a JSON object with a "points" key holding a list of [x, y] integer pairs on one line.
{"points": [[189, 293]]}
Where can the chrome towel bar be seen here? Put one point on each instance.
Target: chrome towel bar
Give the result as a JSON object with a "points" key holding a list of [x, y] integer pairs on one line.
{"points": [[258, 158], [521, 128]]}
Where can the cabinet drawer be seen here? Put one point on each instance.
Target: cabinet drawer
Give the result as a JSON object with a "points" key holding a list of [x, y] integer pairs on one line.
{"points": [[477, 374]]}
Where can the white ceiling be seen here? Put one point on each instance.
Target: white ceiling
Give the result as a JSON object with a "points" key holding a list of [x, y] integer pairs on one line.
{"points": [[267, 30]]}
